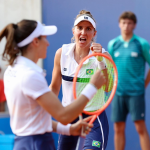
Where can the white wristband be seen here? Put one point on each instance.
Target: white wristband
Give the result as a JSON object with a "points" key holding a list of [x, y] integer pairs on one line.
{"points": [[63, 129], [103, 50], [101, 65], [89, 91]]}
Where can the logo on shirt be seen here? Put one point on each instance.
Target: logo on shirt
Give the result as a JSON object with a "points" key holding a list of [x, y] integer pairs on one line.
{"points": [[96, 144], [134, 54], [85, 17], [65, 69], [117, 54], [89, 71]]}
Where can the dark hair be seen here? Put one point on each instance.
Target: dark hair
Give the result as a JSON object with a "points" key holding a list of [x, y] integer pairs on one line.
{"points": [[128, 15], [14, 34]]}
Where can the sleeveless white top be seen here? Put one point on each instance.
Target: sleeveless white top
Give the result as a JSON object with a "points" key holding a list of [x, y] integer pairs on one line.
{"points": [[68, 69]]}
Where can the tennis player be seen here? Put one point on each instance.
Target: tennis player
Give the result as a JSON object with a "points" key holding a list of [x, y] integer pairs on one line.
{"points": [[31, 103], [130, 53], [66, 61]]}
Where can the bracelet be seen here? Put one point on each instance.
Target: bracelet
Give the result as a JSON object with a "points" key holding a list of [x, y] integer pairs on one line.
{"points": [[89, 91], [101, 65], [63, 129]]}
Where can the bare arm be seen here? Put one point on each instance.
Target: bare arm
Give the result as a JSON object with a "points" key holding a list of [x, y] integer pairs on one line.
{"points": [[56, 75], [65, 115], [75, 129], [52, 105], [147, 80]]}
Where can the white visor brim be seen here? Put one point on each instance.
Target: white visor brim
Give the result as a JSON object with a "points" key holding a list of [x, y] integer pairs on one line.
{"points": [[49, 30], [85, 18], [39, 30]]}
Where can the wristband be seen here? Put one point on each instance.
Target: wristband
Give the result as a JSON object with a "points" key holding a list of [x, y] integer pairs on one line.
{"points": [[101, 65], [103, 50], [89, 91], [63, 129]]}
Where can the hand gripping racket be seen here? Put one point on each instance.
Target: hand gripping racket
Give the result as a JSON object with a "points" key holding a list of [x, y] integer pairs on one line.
{"points": [[104, 95]]}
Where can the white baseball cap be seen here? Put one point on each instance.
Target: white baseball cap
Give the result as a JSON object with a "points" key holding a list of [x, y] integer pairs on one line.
{"points": [[38, 31], [86, 18]]}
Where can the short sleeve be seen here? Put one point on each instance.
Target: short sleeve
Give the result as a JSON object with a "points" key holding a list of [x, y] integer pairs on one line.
{"points": [[34, 84], [146, 51]]}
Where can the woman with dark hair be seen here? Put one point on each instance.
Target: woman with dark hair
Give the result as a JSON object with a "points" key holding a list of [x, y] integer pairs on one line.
{"points": [[31, 103]]}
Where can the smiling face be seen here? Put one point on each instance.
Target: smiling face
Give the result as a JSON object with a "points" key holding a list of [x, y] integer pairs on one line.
{"points": [[84, 32], [127, 26]]}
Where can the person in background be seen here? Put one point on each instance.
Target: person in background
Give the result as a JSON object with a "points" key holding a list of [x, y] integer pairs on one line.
{"points": [[130, 53], [2, 95]]}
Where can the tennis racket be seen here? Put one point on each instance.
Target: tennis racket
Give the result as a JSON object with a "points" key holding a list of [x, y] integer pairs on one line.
{"points": [[101, 100]]}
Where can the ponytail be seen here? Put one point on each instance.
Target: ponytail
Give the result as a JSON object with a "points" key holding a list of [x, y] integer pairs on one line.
{"points": [[14, 34], [10, 51]]}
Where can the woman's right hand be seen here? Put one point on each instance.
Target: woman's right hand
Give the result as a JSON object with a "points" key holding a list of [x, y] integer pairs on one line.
{"points": [[98, 79]]}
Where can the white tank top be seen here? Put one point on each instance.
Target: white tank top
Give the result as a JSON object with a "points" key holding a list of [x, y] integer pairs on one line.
{"points": [[68, 69]]}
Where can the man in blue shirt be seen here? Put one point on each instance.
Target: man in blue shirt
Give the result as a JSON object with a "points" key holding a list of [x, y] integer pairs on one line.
{"points": [[130, 52]]}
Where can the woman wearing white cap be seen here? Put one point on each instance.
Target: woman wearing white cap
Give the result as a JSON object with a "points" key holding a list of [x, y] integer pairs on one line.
{"points": [[31, 103], [66, 61]]}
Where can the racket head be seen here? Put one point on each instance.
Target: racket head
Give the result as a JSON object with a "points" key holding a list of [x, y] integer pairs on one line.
{"points": [[112, 68]]}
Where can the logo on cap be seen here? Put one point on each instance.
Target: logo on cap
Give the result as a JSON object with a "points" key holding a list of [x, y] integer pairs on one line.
{"points": [[85, 17]]}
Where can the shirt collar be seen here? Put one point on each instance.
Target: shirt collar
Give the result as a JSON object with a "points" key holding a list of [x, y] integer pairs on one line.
{"points": [[29, 63], [121, 39], [70, 51]]}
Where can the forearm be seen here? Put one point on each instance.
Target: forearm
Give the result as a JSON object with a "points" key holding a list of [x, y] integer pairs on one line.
{"points": [[65, 115], [147, 80], [71, 112]]}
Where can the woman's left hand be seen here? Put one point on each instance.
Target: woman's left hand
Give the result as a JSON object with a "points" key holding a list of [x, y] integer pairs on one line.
{"points": [[96, 48], [75, 128]]}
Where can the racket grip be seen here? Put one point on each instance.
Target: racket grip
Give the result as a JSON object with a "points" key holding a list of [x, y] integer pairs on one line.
{"points": [[82, 129]]}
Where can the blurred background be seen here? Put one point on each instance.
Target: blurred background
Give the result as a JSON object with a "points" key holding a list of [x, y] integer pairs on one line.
{"points": [[62, 14]]}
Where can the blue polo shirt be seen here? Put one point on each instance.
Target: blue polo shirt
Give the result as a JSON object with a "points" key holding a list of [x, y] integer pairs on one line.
{"points": [[130, 58]]}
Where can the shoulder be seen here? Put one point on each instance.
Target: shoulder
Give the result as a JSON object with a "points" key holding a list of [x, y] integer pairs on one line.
{"points": [[58, 52], [31, 76], [113, 41], [141, 40], [67, 47], [64, 49]]}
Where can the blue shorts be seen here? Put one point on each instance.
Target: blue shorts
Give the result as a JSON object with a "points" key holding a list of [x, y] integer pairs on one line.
{"points": [[34, 142], [96, 139], [122, 105]]}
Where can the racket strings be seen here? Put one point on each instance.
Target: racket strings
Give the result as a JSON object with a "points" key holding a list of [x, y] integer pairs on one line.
{"points": [[103, 94]]}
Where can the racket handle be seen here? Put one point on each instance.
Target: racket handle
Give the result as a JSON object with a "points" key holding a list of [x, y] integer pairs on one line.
{"points": [[82, 129]]}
